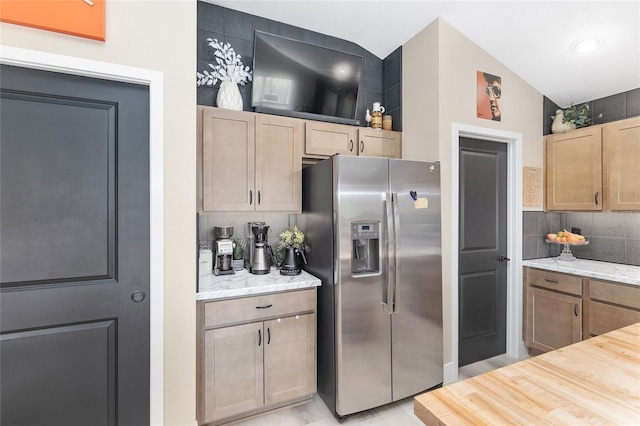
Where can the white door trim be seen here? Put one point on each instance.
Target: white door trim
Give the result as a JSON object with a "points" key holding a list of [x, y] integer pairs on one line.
{"points": [[515, 347], [154, 79]]}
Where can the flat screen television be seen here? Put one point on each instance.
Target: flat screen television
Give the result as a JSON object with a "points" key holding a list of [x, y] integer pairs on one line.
{"points": [[303, 80]]}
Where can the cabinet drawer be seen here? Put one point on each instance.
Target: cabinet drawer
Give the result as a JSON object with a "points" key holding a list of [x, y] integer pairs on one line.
{"points": [[257, 307], [555, 281], [615, 293], [604, 318]]}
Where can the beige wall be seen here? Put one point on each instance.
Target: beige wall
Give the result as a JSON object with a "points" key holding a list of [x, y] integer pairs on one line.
{"points": [[161, 36], [453, 84]]}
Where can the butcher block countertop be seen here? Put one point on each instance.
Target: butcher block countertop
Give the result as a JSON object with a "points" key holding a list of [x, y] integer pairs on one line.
{"points": [[595, 381]]}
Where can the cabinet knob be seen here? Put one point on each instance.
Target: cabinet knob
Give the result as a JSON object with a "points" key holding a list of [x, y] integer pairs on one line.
{"points": [[259, 337], [350, 145], [596, 198], [575, 309], [250, 197], [361, 146]]}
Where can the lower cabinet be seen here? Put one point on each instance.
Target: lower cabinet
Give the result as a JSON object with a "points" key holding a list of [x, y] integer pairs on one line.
{"points": [[554, 321], [247, 368], [553, 312], [561, 309], [611, 306]]}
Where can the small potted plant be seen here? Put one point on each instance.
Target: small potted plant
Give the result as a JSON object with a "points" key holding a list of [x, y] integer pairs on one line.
{"points": [[572, 117], [292, 244], [238, 254]]}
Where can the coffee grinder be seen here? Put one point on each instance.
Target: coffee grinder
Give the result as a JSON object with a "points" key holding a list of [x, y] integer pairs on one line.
{"points": [[261, 251], [223, 250]]}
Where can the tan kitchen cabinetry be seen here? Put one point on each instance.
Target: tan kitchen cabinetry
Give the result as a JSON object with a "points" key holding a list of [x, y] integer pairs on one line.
{"points": [[255, 354], [621, 147], [379, 143], [325, 139], [553, 310], [611, 306], [594, 168], [248, 161], [573, 164]]}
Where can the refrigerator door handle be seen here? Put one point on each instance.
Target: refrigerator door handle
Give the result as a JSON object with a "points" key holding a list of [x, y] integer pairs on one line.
{"points": [[396, 254], [389, 238]]}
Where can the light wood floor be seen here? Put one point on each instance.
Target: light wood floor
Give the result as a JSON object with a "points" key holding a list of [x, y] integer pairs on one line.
{"points": [[315, 413]]}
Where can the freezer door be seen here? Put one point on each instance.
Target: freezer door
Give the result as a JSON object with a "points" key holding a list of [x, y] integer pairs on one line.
{"points": [[417, 341], [363, 329]]}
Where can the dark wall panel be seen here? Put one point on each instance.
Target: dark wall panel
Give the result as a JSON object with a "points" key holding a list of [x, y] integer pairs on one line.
{"points": [[237, 28]]}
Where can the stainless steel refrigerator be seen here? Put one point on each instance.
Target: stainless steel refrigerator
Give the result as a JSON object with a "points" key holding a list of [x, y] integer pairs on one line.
{"points": [[375, 233]]}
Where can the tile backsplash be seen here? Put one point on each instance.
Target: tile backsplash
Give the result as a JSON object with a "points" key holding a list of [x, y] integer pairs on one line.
{"points": [[277, 223], [613, 237]]}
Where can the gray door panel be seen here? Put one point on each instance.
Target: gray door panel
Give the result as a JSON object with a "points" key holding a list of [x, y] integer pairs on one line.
{"points": [[81, 373], [74, 246], [483, 239]]}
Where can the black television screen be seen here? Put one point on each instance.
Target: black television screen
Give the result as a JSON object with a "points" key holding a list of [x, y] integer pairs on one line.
{"points": [[295, 78]]}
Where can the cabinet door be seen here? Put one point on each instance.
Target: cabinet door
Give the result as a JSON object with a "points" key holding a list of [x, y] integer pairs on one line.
{"points": [[290, 361], [228, 158], [278, 163], [574, 170], [326, 139], [233, 370], [379, 143], [553, 320], [622, 164]]}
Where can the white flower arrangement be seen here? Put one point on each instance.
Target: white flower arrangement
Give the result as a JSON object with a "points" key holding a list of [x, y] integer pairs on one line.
{"points": [[229, 66], [291, 238]]}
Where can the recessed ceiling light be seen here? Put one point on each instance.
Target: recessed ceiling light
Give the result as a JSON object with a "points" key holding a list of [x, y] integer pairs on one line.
{"points": [[586, 44]]}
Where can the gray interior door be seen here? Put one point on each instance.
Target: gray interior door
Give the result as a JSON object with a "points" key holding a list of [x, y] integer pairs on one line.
{"points": [[482, 281], [74, 250]]}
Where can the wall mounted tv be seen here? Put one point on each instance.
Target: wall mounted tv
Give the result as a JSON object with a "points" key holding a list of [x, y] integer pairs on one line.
{"points": [[303, 80]]}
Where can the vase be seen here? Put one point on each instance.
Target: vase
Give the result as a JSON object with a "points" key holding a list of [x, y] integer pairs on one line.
{"points": [[238, 264], [229, 96], [558, 125], [291, 263]]}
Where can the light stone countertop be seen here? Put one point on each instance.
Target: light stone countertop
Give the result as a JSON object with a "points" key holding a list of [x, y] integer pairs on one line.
{"points": [[244, 283], [616, 272]]}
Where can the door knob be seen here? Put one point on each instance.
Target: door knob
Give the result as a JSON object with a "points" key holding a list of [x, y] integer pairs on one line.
{"points": [[503, 258], [137, 296]]}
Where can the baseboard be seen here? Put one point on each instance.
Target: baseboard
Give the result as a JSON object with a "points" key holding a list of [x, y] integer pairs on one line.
{"points": [[450, 373]]}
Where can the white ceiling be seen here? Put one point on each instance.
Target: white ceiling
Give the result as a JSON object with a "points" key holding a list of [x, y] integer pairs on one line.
{"points": [[532, 38]]}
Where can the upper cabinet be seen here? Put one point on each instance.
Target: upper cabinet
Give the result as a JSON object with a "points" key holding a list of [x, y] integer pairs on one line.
{"points": [[248, 161], [379, 143], [622, 168], [595, 168], [325, 139], [574, 170]]}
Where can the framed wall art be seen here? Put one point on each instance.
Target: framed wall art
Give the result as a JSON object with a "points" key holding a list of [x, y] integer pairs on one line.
{"points": [[489, 92], [82, 18]]}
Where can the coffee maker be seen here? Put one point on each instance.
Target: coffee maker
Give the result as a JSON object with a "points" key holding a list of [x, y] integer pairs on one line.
{"points": [[260, 256], [223, 250]]}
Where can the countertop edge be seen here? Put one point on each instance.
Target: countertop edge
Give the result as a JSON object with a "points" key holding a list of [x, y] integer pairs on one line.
{"points": [[245, 284], [614, 272], [254, 291]]}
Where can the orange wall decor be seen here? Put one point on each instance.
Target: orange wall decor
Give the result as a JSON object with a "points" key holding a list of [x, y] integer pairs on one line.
{"points": [[83, 18]]}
